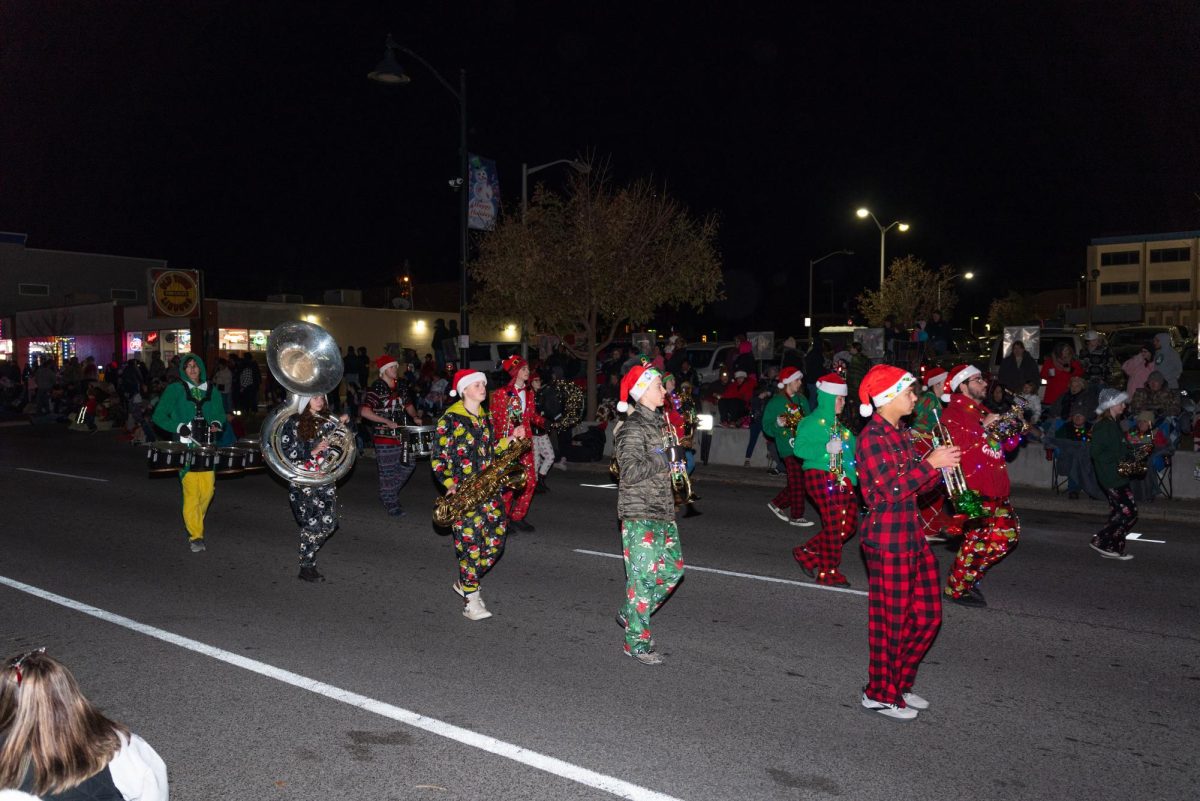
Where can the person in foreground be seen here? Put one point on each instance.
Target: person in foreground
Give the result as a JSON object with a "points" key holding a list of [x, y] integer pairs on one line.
{"points": [[904, 606], [306, 444], [646, 508], [57, 745], [1108, 449]]}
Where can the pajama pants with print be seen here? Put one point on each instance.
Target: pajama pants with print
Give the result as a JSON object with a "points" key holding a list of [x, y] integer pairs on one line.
{"points": [[1122, 515], [904, 611], [791, 497], [543, 454], [517, 506], [838, 506], [393, 474], [198, 489], [315, 509], [653, 568], [983, 547], [479, 542]]}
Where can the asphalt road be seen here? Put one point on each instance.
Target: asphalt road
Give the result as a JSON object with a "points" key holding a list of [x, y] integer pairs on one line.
{"points": [[1080, 681]]}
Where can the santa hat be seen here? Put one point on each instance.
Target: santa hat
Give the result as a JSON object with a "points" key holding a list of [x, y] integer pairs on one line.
{"points": [[635, 383], [464, 379], [960, 373], [386, 360], [1109, 398], [739, 374], [833, 384], [789, 375], [513, 364], [880, 385], [935, 375]]}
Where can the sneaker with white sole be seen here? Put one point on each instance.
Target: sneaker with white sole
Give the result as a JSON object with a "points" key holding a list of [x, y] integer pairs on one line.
{"points": [[646, 657], [916, 702], [197, 546], [782, 515], [473, 608], [889, 710], [800, 521]]}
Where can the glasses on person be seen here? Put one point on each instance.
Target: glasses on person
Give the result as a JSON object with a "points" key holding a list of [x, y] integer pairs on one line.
{"points": [[20, 660]]}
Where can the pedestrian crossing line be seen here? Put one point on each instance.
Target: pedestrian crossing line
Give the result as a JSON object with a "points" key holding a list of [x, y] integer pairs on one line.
{"points": [[772, 579], [534, 759]]}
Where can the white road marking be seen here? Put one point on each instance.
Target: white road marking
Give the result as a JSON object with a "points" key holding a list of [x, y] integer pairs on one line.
{"points": [[1133, 535], [543, 762], [64, 475], [735, 574], [600, 486]]}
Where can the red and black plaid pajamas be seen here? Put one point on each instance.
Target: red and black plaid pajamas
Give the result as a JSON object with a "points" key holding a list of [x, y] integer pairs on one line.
{"points": [[838, 506], [904, 599], [791, 497]]}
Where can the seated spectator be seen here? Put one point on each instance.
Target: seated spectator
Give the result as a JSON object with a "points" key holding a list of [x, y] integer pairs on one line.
{"points": [[734, 402], [1159, 399], [1018, 369], [1058, 370], [1078, 393], [57, 745], [1137, 369], [1033, 404], [1166, 360]]}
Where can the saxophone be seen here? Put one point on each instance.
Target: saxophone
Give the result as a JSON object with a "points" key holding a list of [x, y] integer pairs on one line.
{"points": [[505, 471]]}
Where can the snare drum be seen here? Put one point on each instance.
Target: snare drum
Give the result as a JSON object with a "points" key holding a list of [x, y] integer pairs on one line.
{"points": [[202, 460], [252, 458], [420, 440], [230, 461], [164, 458]]}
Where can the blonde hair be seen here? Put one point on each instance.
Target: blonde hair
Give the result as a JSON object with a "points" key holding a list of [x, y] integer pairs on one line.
{"points": [[49, 729]]}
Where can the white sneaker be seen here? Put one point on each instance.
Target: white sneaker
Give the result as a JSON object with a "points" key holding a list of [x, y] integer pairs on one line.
{"points": [[889, 710], [782, 515], [916, 702], [457, 587], [474, 609], [800, 521]]}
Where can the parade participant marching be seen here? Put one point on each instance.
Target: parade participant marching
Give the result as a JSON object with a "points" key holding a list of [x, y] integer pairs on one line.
{"points": [[646, 508], [929, 406], [675, 411], [939, 526], [512, 407], [903, 600], [305, 442], [1108, 449], [971, 427], [464, 446], [193, 412], [386, 404], [826, 448], [780, 417]]}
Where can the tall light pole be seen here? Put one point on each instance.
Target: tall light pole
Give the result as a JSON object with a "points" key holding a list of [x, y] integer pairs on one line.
{"points": [[812, 263], [967, 275], [863, 214], [527, 171], [389, 71]]}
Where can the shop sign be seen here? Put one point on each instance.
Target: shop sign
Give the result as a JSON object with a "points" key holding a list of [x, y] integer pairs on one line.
{"points": [[174, 293]]}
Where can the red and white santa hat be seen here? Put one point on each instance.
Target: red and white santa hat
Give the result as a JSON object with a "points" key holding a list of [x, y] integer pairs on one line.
{"points": [[464, 379], [935, 375], [635, 383], [788, 375], [960, 373], [385, 361], [513, 364], [882, 384], [833, 384]]}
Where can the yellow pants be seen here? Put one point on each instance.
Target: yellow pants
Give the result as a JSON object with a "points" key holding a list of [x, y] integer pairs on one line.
{"points": [[197, 495]]}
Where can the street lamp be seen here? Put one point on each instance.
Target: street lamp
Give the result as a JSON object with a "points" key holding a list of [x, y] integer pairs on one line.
{"points": [[527, 171], [973, 319], [967, 275], [812, 263], [389, 71], [863, 214]]}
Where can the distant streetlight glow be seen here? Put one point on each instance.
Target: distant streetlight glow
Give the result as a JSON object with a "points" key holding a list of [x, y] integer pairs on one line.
{"points": [[863, 213]]}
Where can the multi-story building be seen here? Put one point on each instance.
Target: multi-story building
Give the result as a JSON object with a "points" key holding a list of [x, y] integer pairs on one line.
{"points": [[1153, 279]]}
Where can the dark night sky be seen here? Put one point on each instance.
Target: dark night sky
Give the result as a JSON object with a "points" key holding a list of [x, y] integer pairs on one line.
{"points": [[244, 139]]}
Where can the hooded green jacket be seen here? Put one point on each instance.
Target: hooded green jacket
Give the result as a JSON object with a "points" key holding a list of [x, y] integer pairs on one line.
{"points": [[776, 408], [177, 406], [813, 434]]}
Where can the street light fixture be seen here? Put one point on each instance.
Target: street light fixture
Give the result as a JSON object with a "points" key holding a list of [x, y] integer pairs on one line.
{"points": [[967, 275], [527, 171], [863, 214], [389, 71], [812, 263]]}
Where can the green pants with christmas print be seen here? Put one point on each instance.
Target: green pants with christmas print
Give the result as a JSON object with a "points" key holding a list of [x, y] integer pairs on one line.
{"points": [[653, 566]]}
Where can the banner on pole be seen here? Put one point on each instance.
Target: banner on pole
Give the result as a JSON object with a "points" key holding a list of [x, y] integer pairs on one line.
{"points": [[483, 204]]}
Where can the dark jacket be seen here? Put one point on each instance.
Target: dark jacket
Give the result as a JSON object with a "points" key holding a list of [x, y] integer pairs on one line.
{"points": [[1014, 376], [645, 492], [1108, 448]]}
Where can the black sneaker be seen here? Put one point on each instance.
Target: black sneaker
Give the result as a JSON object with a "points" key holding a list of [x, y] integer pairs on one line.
{"points": [[310, 574], [397, 512], [969, 599]]}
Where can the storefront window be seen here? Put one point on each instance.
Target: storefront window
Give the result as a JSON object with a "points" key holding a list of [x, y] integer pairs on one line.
{"points": [[233, 338], [134, 344], [6, 345], [258, 339], [55, 349], [175, 342]]}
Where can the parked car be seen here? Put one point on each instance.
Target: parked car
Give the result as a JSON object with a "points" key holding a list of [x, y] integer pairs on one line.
{"points": [[487, 356], [707, 359], [1124, 342]]}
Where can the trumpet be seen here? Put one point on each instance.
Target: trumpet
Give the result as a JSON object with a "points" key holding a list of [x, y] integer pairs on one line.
{"points": [[964, 500]]}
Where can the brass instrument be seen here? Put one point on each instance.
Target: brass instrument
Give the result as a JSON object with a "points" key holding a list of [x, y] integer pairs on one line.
{"points": [[1012, 421], [834, 448], [505, 470], [963, 500], [681, 482], [1137, 464]]}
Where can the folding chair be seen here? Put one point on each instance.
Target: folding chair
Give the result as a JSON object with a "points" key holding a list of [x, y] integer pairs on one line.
{"points": [[1164, 479]]}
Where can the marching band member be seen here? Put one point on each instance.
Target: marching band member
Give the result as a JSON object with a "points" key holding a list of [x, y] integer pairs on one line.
{"points": [[779, 421], [969, 422], [826, 448], [192, 411], [646, 508], [305, 443], [1108, 449], [543, 449], [673, 408], [465, 445], [383, 405], [939, 526], [929, 406], [904, 608], [512, 407]]}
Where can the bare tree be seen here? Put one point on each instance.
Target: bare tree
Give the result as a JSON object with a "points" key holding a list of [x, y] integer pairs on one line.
{"points": [[911, 291]]}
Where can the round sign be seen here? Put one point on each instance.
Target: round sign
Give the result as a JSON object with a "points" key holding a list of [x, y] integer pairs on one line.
{"points": [[176, 293]]}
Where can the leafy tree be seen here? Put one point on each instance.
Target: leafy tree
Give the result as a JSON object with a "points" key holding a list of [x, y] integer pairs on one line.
{"points": [[1012, 309], [910, 291], [585, 263]]}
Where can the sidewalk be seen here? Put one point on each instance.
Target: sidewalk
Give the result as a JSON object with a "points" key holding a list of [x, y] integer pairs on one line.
{"points": [[1175, 510]]}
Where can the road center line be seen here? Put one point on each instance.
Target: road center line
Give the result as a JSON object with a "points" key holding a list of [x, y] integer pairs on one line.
{"points": [[64, 475], [600, 486], [534, 759], [735, 574]]}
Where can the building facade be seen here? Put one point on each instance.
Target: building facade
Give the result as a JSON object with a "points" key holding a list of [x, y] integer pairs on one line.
{"points": [[1152, 278]]}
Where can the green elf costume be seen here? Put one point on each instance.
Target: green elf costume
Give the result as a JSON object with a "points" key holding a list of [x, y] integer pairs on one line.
{"points": [[788, 404]]}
